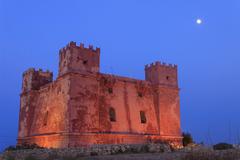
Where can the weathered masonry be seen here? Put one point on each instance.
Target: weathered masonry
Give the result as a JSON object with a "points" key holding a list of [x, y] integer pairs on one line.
{"points": [[83, 106]]}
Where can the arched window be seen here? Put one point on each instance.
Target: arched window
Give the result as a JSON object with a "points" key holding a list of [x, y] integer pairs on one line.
{"points": [[112, 114], [143, 117]]}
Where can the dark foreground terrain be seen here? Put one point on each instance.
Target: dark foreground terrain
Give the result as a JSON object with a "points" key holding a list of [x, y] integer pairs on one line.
{"points": [[223, 155], [123, 152]]}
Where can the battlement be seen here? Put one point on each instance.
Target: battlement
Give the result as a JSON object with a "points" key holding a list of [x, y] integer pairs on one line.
{"points": [[162, 73], [160, 64], [33, 79], [78, 58], [46, 73], [81, 46], [92, 108]]}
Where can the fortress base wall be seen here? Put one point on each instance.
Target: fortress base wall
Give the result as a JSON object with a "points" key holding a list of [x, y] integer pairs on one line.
{"points": [[65, 140], [84, 107]]}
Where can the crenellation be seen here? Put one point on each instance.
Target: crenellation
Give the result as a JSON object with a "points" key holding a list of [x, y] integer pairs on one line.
{"points": [[160, 64], [39, 71], [45, 73], [90, 47], [81, 98], [78, 58], [98, 50], [63, 50], [72, 44], [33, 79], [28, 71], [81, 45], [157, 63]]}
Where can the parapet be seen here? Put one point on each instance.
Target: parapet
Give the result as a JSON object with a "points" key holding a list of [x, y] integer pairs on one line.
{"points": [[81, 46], [162, 74], [160, 64], [34, 79], [46, 73], [77, 58]]}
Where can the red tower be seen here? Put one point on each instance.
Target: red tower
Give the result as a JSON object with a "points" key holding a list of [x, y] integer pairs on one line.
{"points": [[84, 107]]}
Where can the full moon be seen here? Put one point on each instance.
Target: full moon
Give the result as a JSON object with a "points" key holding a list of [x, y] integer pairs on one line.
{"points": [[199, 21]]}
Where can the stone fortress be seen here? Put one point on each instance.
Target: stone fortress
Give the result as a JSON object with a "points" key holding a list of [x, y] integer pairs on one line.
{"points": [[84, 107]]}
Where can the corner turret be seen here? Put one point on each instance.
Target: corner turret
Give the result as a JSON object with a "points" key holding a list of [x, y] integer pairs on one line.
{"points": [[162, 74], [34, 79]]}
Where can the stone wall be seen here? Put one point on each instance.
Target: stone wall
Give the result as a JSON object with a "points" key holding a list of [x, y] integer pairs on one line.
{"points": [[83, 106], [74, 153], [44, 113]]}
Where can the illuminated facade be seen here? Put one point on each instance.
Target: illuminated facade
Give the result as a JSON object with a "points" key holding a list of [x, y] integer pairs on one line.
{"points": [[83, 106]]}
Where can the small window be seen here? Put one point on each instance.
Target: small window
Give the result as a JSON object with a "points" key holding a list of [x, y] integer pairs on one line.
{"points": [[85, 62], [112, 115], [140, 94], [78, 58], [110, 90], [105, 81], [143, 117]]}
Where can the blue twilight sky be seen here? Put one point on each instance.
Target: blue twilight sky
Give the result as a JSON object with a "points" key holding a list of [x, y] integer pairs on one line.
{"points": [[131, 33]]}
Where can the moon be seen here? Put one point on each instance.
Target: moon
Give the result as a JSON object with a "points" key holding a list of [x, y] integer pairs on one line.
{"points": [[199, 21]]}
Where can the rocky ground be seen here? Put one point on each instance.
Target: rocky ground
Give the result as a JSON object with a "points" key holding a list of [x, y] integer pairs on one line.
{"points": [[123, 152], [139, 156], [192, 155]]}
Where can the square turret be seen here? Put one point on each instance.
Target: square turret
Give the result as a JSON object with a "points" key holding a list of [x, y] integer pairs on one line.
{"points": [[34, 79], [73, 58], [162, 74]]}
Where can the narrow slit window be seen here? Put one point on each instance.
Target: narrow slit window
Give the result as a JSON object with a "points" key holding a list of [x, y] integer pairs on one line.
{"points": [[45, 119], [85, 62], [140, 94], [143, 117], [110, 90], [112, 115]]}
